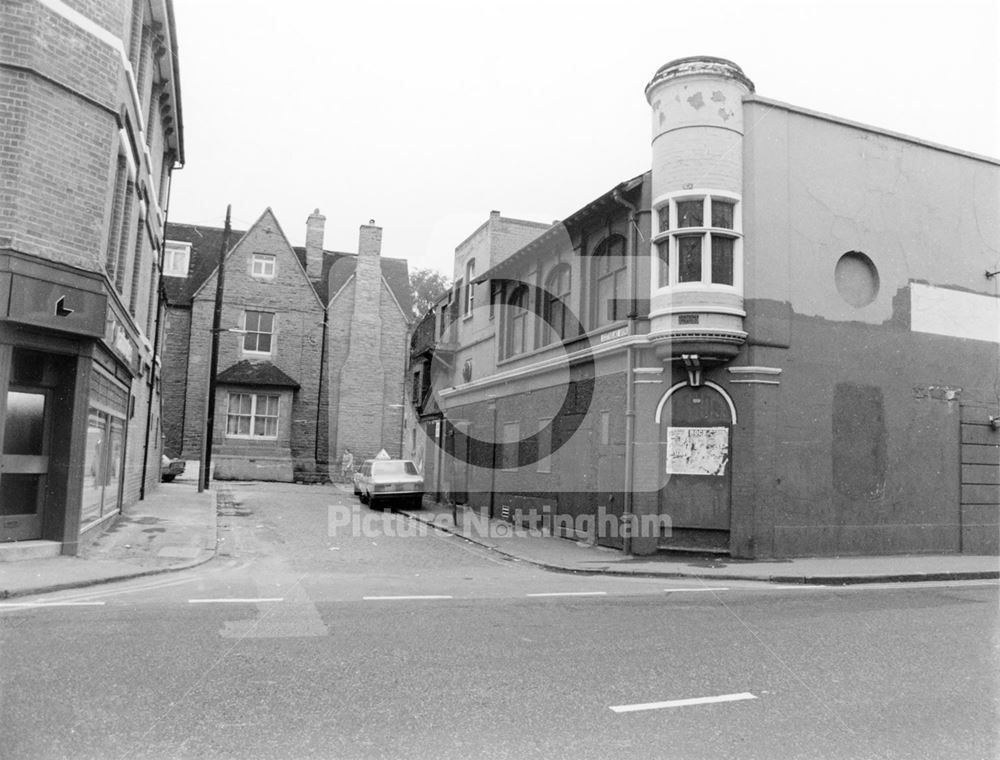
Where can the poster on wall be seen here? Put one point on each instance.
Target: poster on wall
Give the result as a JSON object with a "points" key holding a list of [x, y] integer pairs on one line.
{"points": [[697, 450]]}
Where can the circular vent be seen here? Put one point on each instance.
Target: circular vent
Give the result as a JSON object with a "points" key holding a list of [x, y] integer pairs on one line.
{"points": [[856, 278]]}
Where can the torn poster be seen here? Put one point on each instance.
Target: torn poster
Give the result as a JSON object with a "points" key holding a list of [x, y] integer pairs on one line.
{"points": [[697, 451]]}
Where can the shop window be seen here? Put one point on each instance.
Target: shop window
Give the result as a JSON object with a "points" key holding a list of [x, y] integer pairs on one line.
{"points": [[252, 415], [104, 453], [609, 268], [698, 241], [262, 265], [556, 310], [259, 327]]}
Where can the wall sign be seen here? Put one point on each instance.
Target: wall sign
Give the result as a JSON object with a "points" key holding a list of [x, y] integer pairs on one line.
{"points": [[697, 450]]}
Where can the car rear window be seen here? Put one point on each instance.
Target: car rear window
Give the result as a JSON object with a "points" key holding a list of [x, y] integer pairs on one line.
{"points": [[399, 467]]}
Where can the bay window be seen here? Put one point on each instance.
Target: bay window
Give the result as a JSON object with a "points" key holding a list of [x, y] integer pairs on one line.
{"points": [[699, 241]]}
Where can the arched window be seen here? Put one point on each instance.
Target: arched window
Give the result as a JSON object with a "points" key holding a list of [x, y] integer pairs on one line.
{"points": [[556, 308], [609, 273], [516, 341]]}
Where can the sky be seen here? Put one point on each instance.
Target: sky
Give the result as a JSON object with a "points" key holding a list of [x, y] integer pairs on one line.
{"points": [[426, 115]]}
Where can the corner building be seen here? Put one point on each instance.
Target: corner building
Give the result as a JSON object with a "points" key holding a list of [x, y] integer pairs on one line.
{"points": [[782, 340], [91, 114]]}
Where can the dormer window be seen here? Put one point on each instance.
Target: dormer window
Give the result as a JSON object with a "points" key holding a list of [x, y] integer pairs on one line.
{"points": [[176, 258], [262, 266], [699, 241]]}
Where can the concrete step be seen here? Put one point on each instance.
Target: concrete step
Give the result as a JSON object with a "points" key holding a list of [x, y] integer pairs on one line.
{"points": [[15, 551]]}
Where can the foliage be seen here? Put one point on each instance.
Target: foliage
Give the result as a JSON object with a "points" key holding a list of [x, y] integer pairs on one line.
{"points": [[426, 287]]}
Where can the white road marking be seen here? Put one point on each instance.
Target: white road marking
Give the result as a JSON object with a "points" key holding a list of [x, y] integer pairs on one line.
{"points": [[707, 588], [399, 598], [229, 600], [683, 702], [571, 593], [26, 605], [150, 586]]}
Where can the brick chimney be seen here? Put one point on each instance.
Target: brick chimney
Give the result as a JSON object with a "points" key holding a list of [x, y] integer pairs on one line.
{"points": [[314, 245], [362, 407]]}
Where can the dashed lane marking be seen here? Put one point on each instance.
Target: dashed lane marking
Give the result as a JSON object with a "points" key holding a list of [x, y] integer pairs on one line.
{"points": [[37, 605], [228, 600], [571, 593], [675, 590], [402, 598], [683, 702]]}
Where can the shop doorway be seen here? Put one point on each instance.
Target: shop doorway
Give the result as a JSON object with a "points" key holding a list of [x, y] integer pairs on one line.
{"points": [[695, 473], [24, 463]]}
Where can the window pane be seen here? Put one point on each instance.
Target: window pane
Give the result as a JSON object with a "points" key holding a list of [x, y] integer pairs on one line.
{"points": [[689, 213], [264, 343], [722, 214], [722, 260], [663, 254], [689, 259], [664, 214], [25, 425], [252, 321], [266, 321]]}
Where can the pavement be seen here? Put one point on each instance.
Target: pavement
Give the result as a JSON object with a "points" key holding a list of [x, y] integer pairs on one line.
{"points": [[175, 528]]}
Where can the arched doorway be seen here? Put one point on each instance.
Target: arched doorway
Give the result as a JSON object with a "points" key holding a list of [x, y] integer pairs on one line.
{"points": [[695, 424]]}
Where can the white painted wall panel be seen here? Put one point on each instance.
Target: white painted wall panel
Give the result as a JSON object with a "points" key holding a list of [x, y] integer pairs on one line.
{"points": [[957, 313]]}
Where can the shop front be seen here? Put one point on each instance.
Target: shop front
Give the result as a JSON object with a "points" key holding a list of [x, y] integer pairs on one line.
{"points": [[64, 404]]}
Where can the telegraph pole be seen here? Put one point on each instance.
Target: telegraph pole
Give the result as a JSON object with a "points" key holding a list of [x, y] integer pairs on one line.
{"points": [[206, 449]]}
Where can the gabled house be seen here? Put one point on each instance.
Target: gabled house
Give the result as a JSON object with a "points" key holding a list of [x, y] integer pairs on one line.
{"points": [[304, 332], [778, 341]]}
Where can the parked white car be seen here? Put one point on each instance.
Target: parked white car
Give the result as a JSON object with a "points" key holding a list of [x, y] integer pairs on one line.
{"points": [[390, 481]]}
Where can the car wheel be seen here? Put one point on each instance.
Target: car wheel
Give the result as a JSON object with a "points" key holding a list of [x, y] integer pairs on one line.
{"points": [[372, 503], [168, 478]]}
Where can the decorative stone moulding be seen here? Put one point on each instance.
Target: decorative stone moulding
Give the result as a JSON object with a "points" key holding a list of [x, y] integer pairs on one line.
{"points": [[700, 65]]}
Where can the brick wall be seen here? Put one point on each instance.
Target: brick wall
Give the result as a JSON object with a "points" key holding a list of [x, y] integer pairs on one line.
{"points": [[174, 356], [362, 409], [296, 343]]}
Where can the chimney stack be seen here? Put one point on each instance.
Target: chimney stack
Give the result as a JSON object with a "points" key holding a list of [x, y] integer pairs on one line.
{"points": [[369, 241], [315, 225]]}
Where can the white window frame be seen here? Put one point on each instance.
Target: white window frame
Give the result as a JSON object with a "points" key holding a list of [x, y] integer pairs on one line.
{"points": [[254, 416], [470, 288], [247, 333], [268, 266], [670, 235], [173, 252]]}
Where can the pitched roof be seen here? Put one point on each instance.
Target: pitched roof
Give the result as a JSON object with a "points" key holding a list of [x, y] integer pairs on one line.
{"points": [[247, 372], [205, 245], [395, 272]]}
